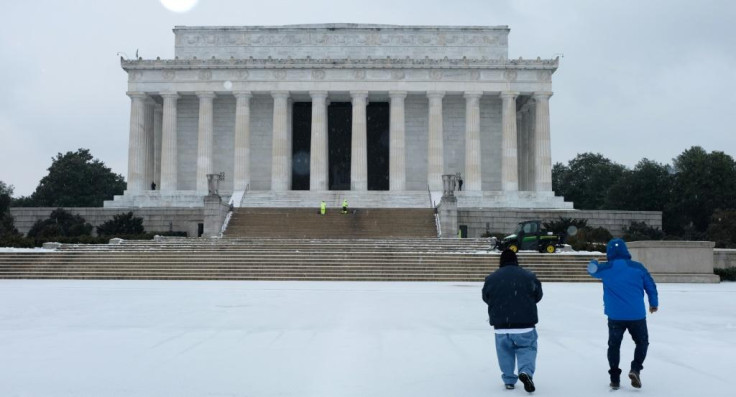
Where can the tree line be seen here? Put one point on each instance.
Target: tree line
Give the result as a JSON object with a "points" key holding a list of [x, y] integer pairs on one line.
{"points": [[696, 193]]}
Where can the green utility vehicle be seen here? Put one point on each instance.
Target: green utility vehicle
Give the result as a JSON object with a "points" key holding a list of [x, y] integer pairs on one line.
{"points": [[529, 235]]}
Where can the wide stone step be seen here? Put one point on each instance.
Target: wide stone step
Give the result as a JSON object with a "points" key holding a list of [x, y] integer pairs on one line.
{"points": [[411, 259]]}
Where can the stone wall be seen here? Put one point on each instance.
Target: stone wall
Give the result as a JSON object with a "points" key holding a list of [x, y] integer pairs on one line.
{"points": [[676, 261], [504, 220], [723, 258], [154, 219]]}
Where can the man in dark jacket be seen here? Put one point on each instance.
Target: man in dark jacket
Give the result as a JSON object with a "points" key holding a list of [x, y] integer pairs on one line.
{"points": [[511, 294], [624, 284]]}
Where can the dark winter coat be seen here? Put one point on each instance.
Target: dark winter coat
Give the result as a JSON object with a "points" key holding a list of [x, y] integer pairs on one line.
{"points": [[511, 294]]}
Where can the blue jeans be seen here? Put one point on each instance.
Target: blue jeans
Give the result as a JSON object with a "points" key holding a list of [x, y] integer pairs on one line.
{"points": [[513, 348], [640, 335]]}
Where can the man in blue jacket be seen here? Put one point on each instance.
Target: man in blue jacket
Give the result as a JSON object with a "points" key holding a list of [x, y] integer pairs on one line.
{"points": [[624, 284], [511, 294]]}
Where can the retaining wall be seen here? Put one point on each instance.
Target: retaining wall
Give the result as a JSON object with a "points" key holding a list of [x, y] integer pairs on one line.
{"points": [[723, 258], [504, 221], [154, 219]]}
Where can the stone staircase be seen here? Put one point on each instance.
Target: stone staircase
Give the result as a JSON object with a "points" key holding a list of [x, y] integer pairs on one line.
{"points": [[308, 223], [416, 259]]}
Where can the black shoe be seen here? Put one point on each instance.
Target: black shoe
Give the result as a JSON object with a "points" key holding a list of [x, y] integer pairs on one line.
{"points": [[615, 378], [635, 380], [527, 381], [510, 387]]}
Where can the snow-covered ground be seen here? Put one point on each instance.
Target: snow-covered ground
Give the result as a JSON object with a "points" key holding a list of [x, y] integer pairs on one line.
{"points": [[153, 338]]}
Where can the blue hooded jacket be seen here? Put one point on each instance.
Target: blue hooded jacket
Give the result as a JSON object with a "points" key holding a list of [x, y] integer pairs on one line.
{"points": [[624, 283]]}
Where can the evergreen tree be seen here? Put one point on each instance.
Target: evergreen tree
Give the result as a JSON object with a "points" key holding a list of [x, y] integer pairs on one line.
{"points": [[586, 179], [7, 227], [75, 179]]}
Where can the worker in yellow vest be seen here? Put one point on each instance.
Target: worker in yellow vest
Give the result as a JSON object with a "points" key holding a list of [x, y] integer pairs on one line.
{"points": [[345, 206], [322, 208]]}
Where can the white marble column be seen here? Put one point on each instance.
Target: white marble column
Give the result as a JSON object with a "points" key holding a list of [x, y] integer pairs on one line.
{"points": [[543, 156], [280, 165], [157, 126], [318, 164], [531, 146], [241, 163], [509, 162], [522, 144], [148, 126], [289, 142], [397, 144], [137, 143], [435, 159], [169, 146], [472, 179], [359, 149], [205, 133]]}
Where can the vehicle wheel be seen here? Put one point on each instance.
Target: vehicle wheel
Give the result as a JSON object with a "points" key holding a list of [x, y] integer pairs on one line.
{"points": [[550, 249], [514, 248]]}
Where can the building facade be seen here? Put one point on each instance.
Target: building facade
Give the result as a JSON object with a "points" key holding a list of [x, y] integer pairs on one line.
{"points": [[374, 113]]}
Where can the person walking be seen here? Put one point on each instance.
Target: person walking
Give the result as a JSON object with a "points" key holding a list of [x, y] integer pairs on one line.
{"points": [[512, 294], [624, 284]]}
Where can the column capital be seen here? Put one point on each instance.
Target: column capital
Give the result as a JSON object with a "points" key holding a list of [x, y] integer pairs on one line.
{"points": [[359, 97], [397, 94], [541, 94], [318, 94], [509, 94], [136, 95], [242, 94], [205, 94], [435, 94], [473, 94], [281, 94], [169, 94]]}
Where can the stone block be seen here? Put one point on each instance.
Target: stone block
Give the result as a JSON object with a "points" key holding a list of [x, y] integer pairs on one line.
{"points": [[674, 257]]}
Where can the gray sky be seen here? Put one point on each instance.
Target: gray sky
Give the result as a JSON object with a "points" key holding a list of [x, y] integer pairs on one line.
{"points": [[638, 78]]}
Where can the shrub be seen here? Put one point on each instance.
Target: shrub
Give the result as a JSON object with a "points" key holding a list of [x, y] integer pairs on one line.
{"points": [[590, 239], [60, 223], [638, 231], [727, 274], [16, 241], [564, 224], [121, 224]]}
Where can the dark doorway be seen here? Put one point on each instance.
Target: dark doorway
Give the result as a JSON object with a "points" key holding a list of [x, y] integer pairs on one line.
{"points": [[377, 114], [301, 128], [339, 135]]}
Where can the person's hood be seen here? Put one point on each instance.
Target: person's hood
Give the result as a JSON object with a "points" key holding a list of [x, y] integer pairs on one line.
{"points": [[616, 249]]}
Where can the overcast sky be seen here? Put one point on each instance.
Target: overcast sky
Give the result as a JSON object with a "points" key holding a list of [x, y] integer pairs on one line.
{"points": [[637, 79]]}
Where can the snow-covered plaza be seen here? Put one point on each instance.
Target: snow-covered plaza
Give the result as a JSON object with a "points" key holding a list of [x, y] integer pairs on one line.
{"points": [[175, 338]]}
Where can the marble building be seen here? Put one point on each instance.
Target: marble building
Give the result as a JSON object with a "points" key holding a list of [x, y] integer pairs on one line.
{"points": [[373, 113]]}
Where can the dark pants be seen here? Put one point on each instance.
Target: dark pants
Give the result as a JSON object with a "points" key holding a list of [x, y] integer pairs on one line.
{"points": [[640, 335]]}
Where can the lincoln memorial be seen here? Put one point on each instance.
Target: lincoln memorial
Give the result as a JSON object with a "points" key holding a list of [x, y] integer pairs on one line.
{"points": [[377, 114]]}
